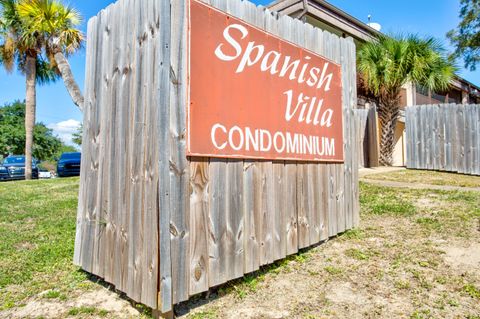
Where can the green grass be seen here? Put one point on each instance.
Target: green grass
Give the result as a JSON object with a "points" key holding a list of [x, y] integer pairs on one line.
{"points": [[333, 270], [472, 291], [82, 310], [37, 233], [428, 177], [358, 254], [385, 201]]}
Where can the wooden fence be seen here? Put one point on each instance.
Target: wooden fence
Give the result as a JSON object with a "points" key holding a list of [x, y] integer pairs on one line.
{"points": [[444, 137], [365, 124], [162, 227]]}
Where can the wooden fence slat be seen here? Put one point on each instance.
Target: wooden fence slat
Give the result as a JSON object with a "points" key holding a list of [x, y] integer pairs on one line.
{"points": [[324, 208], [162, 96], [453, 138], [302, 206], [83, 238], [355, 195], [448, 138], [217, 221], [234, 222], [436, 137], [200, 231], [156, 79], [291, 208], [461, 138], [103, 104], [110, 201], [120, 258], [477, 107], [443, 142], [251, 237], [409, 136], [134, 281], [179, 167], [471, 119], [373, 155], [336, 55], [477, 136], [280, 220]]}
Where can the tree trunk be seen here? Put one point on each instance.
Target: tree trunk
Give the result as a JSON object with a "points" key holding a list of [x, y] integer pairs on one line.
{"points": [[69, 80], [388, 112], [30, 106]]}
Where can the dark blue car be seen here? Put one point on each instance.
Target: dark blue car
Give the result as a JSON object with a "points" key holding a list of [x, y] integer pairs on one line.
{"points": [[13, 168], [69, 165]]}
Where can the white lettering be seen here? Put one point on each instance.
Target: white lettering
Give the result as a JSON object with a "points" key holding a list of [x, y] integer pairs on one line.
{"points": [[238, 48], [213, 134]]}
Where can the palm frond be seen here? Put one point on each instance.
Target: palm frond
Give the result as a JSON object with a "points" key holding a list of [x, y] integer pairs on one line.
{"points": [[388, 63]]}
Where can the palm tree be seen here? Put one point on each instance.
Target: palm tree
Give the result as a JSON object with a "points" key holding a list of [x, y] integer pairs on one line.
{"points": [[389, 63], [30, 30], [15, 50], [54, 26]]}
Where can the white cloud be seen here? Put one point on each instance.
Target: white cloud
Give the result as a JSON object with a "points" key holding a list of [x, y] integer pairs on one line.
{"points": [[65, 130]]}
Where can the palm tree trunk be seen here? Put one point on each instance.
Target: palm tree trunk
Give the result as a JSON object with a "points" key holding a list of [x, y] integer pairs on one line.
{"points": [[388, 112], [69, 80], [30, 106]]}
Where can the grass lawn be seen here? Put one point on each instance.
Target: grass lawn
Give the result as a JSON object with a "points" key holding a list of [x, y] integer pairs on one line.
{"points": [[428, 177], [411, 257], [37, 233]]}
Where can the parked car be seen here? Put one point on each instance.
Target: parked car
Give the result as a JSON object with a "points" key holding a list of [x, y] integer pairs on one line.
{"points": [[44, 174], [4, 173], [69, 165], [13, 168]]}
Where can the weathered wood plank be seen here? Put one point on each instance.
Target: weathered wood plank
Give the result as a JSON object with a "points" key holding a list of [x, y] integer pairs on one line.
{"points": [[265, 170], [163, 68], [126, 136], [477, 107], [110, 202], [234, 222], [280, 218], [217, 244], [373, 155], [251, 237], [83, 239], [460, 139], [420, 137], [154, 153], [291, 208], [324, 208], [477, 136], [179, 167], [104, 105], [302, 206], [135, 245], [468, 116], [199, 226]]}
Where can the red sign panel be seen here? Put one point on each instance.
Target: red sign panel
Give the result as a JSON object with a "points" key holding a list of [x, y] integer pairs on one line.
{"points": [[253, 95]]}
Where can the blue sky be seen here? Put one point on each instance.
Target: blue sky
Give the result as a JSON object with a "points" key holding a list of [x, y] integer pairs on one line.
{"points": [[425, 17]]}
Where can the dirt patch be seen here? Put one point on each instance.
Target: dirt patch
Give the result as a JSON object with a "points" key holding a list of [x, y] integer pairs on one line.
{"points": [[99, 303], [463, 257]]}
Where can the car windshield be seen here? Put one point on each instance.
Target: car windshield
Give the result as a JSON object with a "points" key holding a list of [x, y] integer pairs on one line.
{"points": [[69, 156], [14, 160]]}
